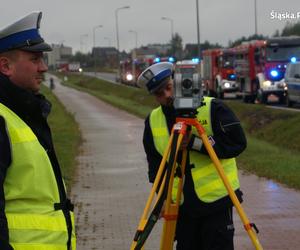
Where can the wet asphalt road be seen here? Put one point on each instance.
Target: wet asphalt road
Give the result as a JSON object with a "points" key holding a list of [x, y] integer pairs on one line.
{"points": [[111, 185]]}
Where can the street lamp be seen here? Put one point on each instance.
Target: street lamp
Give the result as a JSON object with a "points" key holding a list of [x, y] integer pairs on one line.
{"points": [[134, 54], [172, 24], [117, 30], [255, 17], [94, 31], [94, 45], [81, 41], [109, 41], [198, 29], [136, 37]]}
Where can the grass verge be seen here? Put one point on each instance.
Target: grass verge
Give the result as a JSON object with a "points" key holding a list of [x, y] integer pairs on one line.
{"points": [[273, 135], [66, 136]]}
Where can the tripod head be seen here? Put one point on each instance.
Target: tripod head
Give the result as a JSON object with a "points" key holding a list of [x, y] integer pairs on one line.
{"points": [[186, 113]]}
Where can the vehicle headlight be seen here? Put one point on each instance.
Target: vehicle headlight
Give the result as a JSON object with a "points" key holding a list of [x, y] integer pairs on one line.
{"points": [[227, 85], [129, 77], [281, 85], [267, 83], [80, 70]]}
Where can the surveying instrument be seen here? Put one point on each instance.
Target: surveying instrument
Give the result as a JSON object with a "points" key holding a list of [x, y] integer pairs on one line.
{"points": [[188, 98]]}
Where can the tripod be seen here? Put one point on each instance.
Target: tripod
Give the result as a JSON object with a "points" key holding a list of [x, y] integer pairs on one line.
{"points": [[164, 182]]}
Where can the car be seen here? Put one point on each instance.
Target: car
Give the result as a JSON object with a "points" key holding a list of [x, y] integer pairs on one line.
{"points": [[292, 80]]}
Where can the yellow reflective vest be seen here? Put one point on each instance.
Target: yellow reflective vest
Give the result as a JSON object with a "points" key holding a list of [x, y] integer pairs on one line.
{"points": [[30, 191], [208, 185]]}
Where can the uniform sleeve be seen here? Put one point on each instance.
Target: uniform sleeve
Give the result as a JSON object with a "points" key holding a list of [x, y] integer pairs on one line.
{"points": [[153, 157], [229, 139], [5, 160]]}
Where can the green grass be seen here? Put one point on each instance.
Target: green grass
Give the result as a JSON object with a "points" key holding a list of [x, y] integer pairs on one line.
{"points": [[66, 136], [133, 100], [267, 160], [273, 135], [281, 128]]}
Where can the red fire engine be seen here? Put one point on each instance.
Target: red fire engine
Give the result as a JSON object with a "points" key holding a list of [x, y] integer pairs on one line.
{"points": [[218, 74], [260, 67], [130, 70]]}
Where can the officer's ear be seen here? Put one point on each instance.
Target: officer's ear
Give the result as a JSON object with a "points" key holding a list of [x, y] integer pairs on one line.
{"points": [[4, 65], [7, 60]]}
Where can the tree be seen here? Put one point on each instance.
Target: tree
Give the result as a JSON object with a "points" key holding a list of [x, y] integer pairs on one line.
{"points": [[85, 60], [191, 49], [276, 34], [291, 29], [176, 46], [249, 38]]}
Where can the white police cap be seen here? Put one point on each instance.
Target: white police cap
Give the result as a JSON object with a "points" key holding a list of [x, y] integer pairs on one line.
{"points": [[24, 35], [153, 77]]}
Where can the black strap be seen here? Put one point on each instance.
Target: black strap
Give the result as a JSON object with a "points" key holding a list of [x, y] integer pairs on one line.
{"points": [[66, 205]]}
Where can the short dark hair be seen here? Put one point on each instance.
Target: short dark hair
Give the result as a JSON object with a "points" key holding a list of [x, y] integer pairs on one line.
{"points": [[11, 54]]}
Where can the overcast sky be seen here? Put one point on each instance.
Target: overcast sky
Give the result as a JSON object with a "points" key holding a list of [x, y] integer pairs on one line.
{"points": [[68, 21]]}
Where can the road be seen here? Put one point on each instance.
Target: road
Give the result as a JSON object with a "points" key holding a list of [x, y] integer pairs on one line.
{"points": [[111, 185]]}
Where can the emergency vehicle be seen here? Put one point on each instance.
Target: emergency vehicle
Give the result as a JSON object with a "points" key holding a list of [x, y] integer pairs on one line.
{"points": [[70, 67], [131, 69], [170, 59], [217, 72], [260, 67]]}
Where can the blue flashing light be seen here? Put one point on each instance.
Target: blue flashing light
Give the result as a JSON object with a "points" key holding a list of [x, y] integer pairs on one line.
{"points": [[232, 76], [195, 60], [293, 59], [171, 59], [274, 73], [157, 60]]}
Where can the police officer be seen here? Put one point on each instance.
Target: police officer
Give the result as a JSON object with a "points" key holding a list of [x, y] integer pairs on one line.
{"points": [[205, 216], [52, 85], [34, 210]]}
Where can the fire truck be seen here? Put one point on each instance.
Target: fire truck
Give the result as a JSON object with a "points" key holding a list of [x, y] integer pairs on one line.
{"points": [[131, 69], [260, 67], [170, 59], [217, 72], [70, 67]]}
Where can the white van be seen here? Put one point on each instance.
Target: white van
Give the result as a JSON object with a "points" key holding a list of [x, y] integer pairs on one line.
{"points": [[292, 79]]}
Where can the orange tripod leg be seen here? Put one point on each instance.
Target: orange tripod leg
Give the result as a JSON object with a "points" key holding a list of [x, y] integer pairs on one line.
{"points": [[221, 172], [171, 210], [150, 199], [171, 207]]}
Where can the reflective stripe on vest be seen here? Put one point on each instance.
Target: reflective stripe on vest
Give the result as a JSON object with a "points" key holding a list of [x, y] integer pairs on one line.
{"points": [[30, 191], [208, 185]]}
